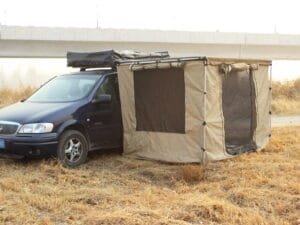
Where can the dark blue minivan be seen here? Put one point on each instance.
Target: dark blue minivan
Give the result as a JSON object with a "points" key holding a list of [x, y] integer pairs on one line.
{"points": [[67, 117]]}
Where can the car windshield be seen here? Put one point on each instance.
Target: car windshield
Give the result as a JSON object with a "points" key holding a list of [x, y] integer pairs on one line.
{"points": [[65, 88]]}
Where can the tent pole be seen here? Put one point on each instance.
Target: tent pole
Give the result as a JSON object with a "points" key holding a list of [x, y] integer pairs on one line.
{"points": [[270, 95], [204, 116]]}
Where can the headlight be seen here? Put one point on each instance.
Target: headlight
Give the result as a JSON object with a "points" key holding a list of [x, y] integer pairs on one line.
{"points": [[36, 128]]}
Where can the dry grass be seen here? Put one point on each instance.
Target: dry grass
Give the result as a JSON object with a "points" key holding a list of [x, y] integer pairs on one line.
{"points": [[9, 96], [257, 188], [286, 97]]}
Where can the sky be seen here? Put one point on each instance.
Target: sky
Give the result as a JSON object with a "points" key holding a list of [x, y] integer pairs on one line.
{"points": [[255, 16], [262, 16]]}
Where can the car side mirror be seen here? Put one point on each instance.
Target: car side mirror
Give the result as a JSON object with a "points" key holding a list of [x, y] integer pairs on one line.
{"points": [[102, 99]]}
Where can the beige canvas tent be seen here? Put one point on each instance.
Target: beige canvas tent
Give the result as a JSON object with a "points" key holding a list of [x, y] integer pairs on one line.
{"points": [[194, 109]]}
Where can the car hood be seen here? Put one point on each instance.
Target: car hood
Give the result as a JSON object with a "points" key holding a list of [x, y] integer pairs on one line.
{"points": [[30, 112]]}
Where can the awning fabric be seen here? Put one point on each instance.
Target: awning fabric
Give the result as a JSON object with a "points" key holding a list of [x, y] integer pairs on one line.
{"points": [[187, 111]]}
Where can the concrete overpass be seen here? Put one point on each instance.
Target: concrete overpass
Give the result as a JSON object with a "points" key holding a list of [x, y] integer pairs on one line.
{"points": [[46, 42]]}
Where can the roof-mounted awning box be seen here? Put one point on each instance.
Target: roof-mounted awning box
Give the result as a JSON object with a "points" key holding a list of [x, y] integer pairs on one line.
{"points": [[109, 58]]}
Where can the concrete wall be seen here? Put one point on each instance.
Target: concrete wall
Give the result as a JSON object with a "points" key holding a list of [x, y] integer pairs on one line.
{"points": [[42, 42]]}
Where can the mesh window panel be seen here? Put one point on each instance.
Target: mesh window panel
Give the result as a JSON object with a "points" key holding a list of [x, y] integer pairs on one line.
{"points": [[238, 102], [160, 100]]}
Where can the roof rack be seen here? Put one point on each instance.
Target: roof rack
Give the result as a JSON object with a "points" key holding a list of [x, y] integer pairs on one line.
{"points": [[165, 60], [109, 58]]}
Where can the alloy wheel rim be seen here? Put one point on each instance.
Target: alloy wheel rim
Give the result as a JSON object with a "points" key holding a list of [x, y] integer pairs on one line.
{"points": [[73, 149]]}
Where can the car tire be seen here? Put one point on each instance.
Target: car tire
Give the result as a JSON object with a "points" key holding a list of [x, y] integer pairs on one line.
{"points": [[72, 148]]}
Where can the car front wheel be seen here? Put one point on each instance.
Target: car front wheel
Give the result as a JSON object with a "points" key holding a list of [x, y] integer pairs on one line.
{"points": [[72, 148]]}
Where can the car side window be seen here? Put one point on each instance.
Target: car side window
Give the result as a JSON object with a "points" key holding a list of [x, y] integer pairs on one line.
{"points": [[108, 87]]}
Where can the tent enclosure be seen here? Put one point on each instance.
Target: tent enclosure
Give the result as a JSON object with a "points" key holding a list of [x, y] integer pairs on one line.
{"points": [[188, 109], [194, 109]]}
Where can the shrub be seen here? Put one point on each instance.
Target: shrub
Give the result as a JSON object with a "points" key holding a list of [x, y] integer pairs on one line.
{"points": [[192, 173], [284, 89], [297, 86], [9, 96]]}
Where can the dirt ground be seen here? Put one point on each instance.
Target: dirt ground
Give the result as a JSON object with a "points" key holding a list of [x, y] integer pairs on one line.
{"points": [[256, 188]]}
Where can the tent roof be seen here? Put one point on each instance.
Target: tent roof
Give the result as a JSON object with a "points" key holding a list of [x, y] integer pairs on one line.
{"points": [[217, 61], [111, 58]]}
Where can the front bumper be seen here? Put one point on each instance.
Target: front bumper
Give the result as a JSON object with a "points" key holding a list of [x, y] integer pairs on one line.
{"points": [[29, 145]]}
